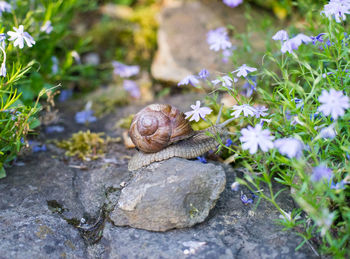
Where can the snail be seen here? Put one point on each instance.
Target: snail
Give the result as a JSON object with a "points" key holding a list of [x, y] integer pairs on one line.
{"points": [[160, 131]]}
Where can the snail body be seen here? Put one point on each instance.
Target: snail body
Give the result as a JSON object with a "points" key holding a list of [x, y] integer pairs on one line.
{"points": [[173, 136]]}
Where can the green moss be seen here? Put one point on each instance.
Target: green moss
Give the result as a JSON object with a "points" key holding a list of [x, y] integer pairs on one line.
{"points": [[84, 145], [125, 122]]}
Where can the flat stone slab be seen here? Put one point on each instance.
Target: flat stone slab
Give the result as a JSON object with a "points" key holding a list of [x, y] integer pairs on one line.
{"points": [[174, 193]]}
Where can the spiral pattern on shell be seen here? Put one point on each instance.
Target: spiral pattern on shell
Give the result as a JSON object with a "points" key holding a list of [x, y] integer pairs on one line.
{"points": [[157, 126]]}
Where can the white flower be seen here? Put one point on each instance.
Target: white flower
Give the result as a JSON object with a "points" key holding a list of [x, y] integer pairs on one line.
{"points": [[244, 70], [288, 216], [198, 112], [328, 132], [281, 35], [19, 36], [245, 108], [252, 138], [291, 147], [325, 220], [334, 103], [226, 81], [47, 27], [260, 111], [189, 80], [5, 7]]}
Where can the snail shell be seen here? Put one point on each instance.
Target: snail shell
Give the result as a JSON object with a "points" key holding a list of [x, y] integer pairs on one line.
{"points": [[158, 126]]}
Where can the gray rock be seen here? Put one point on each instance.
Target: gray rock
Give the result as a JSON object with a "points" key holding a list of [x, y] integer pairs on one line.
{"points": [[182, 46], [175, 193], [232, 230]]}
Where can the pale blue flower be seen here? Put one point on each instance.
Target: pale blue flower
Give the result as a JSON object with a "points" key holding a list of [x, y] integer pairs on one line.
{"points": [[19, 37], [295, 42], [328, 132], [197, 112], [189, 80], [227, 53], [235, 186], [252, 138], [334, 103], [337, 9], [281, 35], [244, 70], [132, 88], [2, 40], [54, 67], [5, 7], [76, 56], [321, 172], [3, 69], [260, 111], [47, 27], [325, 220], [226, 81], [245, 108], [203, 74], [218, 39], [85, 116], [232, 3], [65, 95], [123, 70], [54, 129], [291, 147]]}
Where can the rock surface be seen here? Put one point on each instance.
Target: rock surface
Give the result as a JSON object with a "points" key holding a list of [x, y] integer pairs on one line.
{"points": [[43, 201], [182, 46], [175, 193]]}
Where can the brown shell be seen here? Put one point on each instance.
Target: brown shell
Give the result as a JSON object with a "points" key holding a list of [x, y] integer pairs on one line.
{"points": [[157, 126]]}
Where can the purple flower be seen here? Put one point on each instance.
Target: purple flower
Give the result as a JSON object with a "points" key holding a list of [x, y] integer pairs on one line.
{"points": [[203, 74], [260, 111], [37, 147], [65, 95], [281, 35], [295, 42], [85, 116], [252, 138], [232, 3], [291, 147], [334, 103], [338, 186], [245, 108], [226, 81], [337, 9], [5, 7], [249, 86], [324, 75], [198, 112], [244, 70], [321, 172], [318, 38], [228, 142], [202, 159], [123, 70], [132, 88], [245, 199], [47, 27], [218, 39], [192, 80]]}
